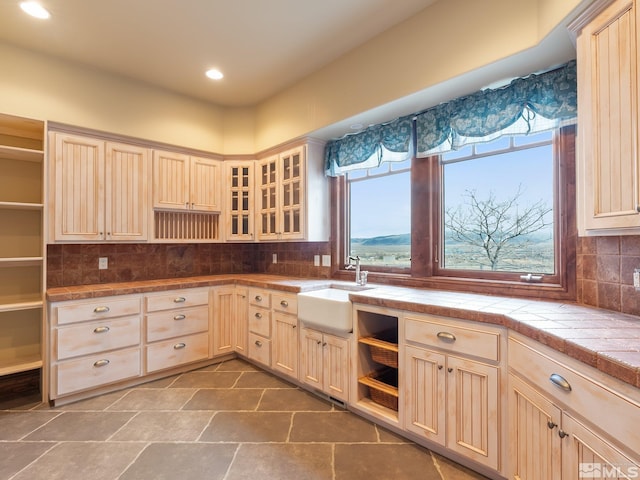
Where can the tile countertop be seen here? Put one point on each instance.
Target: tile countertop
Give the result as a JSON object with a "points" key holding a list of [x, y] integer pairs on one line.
{"points": [[606, 340]]}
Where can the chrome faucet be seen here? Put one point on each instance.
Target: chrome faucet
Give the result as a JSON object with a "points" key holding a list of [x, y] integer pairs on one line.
{"points": [[361, 277]]}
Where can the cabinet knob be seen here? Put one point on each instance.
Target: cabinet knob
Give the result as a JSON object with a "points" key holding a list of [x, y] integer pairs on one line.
{"points": [[258, 315], [284, 303], [551, 425], [319, 342], [294, 326], [562, 433], [101, 309], [101, 330], [180, 317], [258, 298], [101, 363], [439, 367], [449, 369], [179, 300], [179, 346], [258, 343]]}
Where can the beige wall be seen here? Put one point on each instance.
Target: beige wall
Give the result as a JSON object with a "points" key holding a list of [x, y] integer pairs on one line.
{"points": [[444, 41]]}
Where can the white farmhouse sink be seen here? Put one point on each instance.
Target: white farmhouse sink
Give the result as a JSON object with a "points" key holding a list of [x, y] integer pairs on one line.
{"points": [[328, 308]]}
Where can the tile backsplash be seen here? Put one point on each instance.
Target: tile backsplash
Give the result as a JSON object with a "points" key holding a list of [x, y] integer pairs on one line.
{"points": [[605, 272], [74, 264]]}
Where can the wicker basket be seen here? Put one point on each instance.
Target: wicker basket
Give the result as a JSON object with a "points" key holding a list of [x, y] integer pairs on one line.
{"points": [[383, 387], [383, 348]]}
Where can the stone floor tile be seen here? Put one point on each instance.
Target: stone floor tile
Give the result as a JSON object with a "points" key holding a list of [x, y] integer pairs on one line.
{"points": [[387, 436], [81, 426], [331, 427], [383, 462], [27, 402], [17, 455], [205, 379], [248, 427], [261, 379], [161, 383], [290, 399], [151, 399], [166, 426], [186, 461], [236, 365], [16, 424], [454, 471], [225, 399], [282, 462], [101, 402], [82, 461]]}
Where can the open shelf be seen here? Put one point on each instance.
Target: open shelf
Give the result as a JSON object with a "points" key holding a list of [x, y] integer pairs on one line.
{"points": [[20, 365], [20, 262], [21, 154]]}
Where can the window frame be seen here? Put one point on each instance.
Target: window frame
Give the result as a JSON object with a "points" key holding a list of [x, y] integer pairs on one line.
{"points": [[426, 190]]}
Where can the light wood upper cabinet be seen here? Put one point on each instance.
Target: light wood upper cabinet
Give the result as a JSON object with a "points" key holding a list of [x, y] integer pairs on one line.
{"points": [[608, 163], [99, 190], [240, 188], [184, 182]]}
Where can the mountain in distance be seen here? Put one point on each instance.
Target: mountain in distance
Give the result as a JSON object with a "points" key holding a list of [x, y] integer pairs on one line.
{"points": [[404, 239]]}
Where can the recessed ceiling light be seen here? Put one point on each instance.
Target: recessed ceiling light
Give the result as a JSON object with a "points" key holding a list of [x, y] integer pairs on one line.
{"points": [[214, 74], [35, 9]]}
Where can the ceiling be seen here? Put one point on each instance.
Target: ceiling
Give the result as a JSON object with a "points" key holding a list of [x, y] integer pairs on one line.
{"points": [[261, 46]]}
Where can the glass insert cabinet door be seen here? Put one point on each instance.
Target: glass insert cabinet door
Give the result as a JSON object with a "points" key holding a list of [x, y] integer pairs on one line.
{"points": [[241, 191], [281, 194]]}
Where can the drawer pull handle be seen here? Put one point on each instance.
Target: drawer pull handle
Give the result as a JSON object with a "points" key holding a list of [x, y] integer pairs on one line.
{"points": [[560, 381], [179, 300], [446, 336], [101, 309], [101, 363], [179, 346], [284, 303], [180, 317], [101, 330], [258, 343], [258, 315], [258, 298]]}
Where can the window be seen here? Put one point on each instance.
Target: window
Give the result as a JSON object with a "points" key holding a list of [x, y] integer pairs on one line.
{"points": [[490, 216], [497, 206], [380, 215]]}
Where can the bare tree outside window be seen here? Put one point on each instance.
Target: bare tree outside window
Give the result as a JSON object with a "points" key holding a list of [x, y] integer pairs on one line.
{"points": [[497, 231]]}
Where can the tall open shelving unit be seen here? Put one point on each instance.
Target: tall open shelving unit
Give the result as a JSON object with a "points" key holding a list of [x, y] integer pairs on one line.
{"points": [[22, 248]]}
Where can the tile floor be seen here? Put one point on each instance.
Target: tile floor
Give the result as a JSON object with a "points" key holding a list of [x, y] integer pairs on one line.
{"points": [[229, 421]]}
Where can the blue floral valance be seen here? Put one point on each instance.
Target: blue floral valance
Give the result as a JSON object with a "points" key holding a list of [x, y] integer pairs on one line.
{"points": [[527, 105]]}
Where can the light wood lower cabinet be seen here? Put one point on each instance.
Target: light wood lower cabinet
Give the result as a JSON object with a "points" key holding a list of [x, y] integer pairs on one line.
{"points": [[94, 342], [565, 425], [324, 362], [176, 328], [259, 325], [449, 398], [285, 334]]}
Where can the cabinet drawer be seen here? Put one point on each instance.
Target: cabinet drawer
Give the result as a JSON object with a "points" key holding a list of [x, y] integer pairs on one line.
{"points": [[283, 302], [259, 297], [94, 337], [431, 332], [176, 323], [107, 307], [260, 349], [260, 321], [587, 398], [177, 351], [96, 370], [177, 299]]}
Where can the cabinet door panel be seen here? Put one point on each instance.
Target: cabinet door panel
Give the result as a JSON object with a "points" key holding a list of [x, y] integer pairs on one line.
{"points": [[78, 189], [311, 363], [472, 410], [241, 324], [126, 192], [170, 180], [223, 320], [336, 366], [425, 407], [205, 183], [534, 444], [285, 344]]}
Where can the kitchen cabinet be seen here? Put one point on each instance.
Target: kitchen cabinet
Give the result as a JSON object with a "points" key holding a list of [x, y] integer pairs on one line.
{"points": [[292, 195], [94, 342], [557, 428], [224, 319], [22, 249], [185, 182], [241, 324], [452, 385], [99, 190], [607, 151], [240, 194], [324, 362], [177, 328], [285, 334], [259, 326]]}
